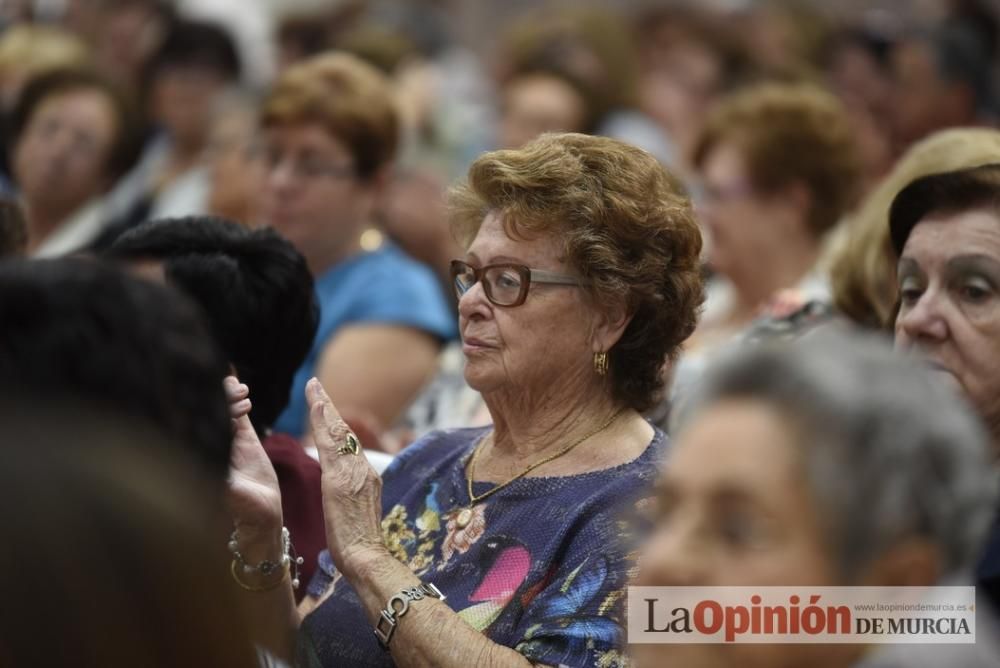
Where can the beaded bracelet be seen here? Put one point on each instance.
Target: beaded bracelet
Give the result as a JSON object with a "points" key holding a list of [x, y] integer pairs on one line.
{"points": [[289, 558]]}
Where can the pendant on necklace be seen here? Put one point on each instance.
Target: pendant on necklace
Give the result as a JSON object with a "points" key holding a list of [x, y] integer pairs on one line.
{"points": [[463, 518]]}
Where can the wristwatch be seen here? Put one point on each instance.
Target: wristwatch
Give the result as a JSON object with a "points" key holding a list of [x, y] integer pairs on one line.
{"points": [[397, 607]]}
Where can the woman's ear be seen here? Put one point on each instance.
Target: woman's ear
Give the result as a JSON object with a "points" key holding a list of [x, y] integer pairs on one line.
{"points": [[609, 327]]}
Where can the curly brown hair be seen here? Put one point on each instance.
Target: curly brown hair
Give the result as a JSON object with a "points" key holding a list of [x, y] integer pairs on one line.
{"points": [[626, 226], [790, 133], [351, 99]]}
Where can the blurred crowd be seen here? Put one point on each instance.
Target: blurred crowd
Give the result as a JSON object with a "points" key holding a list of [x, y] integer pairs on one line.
{"points": [[191, 190]]}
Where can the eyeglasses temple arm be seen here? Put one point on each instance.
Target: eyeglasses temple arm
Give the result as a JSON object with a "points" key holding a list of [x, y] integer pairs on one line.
{"points": [[539, 276]]}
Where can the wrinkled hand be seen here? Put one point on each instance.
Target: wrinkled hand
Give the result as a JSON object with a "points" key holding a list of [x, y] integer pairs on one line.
{"points": [[352, 490], [253, 496]]}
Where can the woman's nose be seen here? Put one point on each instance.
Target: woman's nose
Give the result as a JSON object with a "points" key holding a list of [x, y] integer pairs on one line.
{"points": [[473, 301], [923, 321], [280, 175]]}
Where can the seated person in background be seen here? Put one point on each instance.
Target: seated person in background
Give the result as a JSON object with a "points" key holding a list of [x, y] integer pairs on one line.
{"points": [[78, 330], [26, 51], [778, 168], [257, 296], [945, 229], [862, 261], [329, 136], [73, 134], [542, 98], [183, 83], [127, 542], [824, 462], [13, 228]]}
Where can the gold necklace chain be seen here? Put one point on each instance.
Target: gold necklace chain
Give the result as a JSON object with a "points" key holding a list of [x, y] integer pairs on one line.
{"points": [[465, 515]]}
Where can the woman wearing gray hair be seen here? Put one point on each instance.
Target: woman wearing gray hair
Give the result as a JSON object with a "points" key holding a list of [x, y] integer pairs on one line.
{"points": [[827, 462]]}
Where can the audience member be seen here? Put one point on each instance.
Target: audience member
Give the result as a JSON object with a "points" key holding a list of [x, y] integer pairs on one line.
{"points": [[73, 135], [943, 76], [688, 59], [858, 72], [330, 132], [580, 279], [542, 99], [258, 299], [945, 230], [860, 256], [27, 51], [826, 462], [123, 34], [778, 168], [76, 330], [183, 82], [125, 542]]}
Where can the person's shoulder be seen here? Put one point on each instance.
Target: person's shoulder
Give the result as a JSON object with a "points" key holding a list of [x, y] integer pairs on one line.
{"points": [[625, 483], [438, 446], [608, 489], [647, 465]]}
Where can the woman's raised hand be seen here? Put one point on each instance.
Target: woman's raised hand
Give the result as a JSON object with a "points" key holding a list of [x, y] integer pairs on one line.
{"points": [[254, 498], [352, 489]]}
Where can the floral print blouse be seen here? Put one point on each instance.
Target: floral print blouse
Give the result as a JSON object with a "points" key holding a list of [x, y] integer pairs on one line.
{"points": [[541, 566]]}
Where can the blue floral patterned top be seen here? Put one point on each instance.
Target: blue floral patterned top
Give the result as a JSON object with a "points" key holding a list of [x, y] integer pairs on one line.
{"points": [[542, 566]]}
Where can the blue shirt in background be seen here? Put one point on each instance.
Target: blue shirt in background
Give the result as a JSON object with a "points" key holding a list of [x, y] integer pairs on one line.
{"points": [[384, 287]]}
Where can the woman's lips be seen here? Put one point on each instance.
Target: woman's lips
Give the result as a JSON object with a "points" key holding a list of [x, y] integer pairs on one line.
{"points": [[471, 344]]}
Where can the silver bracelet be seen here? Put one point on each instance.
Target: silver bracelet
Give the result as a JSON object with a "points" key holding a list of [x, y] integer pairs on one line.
{"points": [[266, 567], [397, 607]]}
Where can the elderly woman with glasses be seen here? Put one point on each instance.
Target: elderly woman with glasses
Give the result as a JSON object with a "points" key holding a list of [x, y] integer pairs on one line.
{"points": [[508, 545]]}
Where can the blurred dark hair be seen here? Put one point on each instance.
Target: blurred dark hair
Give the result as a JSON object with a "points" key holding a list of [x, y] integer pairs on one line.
{"points": [[254, 288], [953, 192], [965, 47], [78, 330], [125, 543], [127, 144], [197, 44], [13, 228]]}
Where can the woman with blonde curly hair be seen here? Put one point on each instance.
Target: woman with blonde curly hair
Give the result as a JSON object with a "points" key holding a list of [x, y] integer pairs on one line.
{"points": [[580, 279]]}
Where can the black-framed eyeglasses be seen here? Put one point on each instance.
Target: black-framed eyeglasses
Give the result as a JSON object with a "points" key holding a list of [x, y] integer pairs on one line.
{"points": [[504, 284]]}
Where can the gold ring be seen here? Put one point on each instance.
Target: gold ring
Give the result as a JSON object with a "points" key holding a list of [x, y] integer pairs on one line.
{"points": [[352, 445]]}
